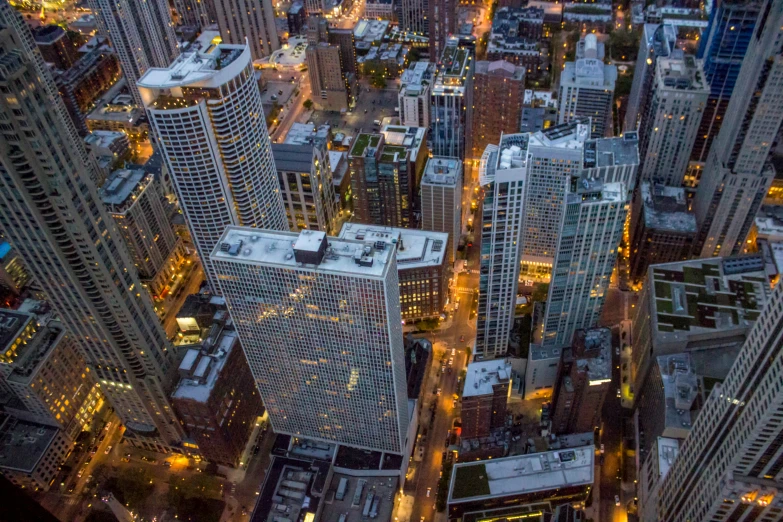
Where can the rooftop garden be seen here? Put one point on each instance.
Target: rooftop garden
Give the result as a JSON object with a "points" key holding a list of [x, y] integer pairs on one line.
{"points": [[470, 481], [362, 142]]}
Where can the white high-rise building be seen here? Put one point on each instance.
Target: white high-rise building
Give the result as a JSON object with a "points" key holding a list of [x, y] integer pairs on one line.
{"points": [[672, 118], [451, 97], [319, 320], [502, 176], [246, 21], [441, 200], [737, 175], [205, 110], [587, 88], [414, 95], [730, 466], [51, 212], [141, 33]]}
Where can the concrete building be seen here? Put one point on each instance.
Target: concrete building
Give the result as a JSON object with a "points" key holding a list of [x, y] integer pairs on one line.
{"points": [[656, 41], [341, 179], [484, 397], [244, 22], [662, 228], [120, 115], [74, 250], [498, 98], [737, 174], [421, 266], [553, 477], [56, 46], [215, 144], [585, 378], [344, 39], [385, 175], [414, 96], [305, 179], [413, 16], [14, 275], [441, 200], [196, 13], [669, 126], [379, 9], [31, 453], [133, 199], [216, 397], [713, 317], [515, 38], [43, 376], [141, 33], [539, 111], [451, 99], [656, 466], [587, 88], [326, 78], [503, 180], [730, 465], [296, 17], [346, 384]]}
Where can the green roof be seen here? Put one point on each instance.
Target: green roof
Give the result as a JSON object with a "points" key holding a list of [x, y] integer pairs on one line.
{"points": [[362, 141], [470, 481]]}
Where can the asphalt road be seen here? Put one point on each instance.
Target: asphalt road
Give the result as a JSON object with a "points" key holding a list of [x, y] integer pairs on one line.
{"points": [[611, 437], [191, 287]]}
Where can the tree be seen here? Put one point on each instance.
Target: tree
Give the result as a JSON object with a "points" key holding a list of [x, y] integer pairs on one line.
{"points": [[378, 80], [624, 44], [132, 487], [196, 498], [308, 103]]}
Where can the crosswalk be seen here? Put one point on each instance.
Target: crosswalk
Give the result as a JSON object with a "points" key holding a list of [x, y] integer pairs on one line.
{"points": [[464, 290]]}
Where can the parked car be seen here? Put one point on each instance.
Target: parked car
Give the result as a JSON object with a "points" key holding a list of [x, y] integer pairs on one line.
{"points": [[108, 449], [617, 500]]}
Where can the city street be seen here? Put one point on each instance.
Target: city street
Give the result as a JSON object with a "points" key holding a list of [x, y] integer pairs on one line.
{"points": [[192, 286]]}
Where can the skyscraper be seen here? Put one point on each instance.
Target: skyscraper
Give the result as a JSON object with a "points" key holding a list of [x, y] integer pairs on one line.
{"points": [[451, 100], [331, 63], [248, 21], [141, 33], [730, 467], [587, 88], [671, 121], [206, 112], [502, 176], [414, 96], [51, 212], [345, 384], [441, 200], [737, 175], [722, 47], [413, 16], [197, 13], [504, 84], [442, 23]]}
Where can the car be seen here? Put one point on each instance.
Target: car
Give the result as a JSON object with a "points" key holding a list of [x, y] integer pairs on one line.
{"points": [[617, 500], [94, 450], [167, 464], [602, 449], [619, 393], [428, 492], [88, 459], [617, 350], [108, 425], [103, 436], [108, 449], [125, 459], [81, 472], [438, 392]]}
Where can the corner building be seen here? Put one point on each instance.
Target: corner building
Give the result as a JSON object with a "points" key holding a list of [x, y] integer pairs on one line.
{"points": [[319, 320]]}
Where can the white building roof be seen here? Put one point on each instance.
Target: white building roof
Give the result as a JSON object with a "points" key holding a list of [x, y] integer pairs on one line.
{"points": [[194, 390], [272, 248], [415, 248], [442, 171], [667, 452], [528, 473], [483, 375]]}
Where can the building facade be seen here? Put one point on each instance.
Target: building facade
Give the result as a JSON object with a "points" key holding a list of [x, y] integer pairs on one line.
{"points": [[587, 88], [243, 22], [484, 397], [737, 174], [441, 200], [209, 122], [441, 23], [504, 84], [451, 99], [141, 33], [346, 384], [668, 131], [414, 96], [84, 268]]}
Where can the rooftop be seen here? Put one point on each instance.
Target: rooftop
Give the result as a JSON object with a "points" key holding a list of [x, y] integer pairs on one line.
{"points": [[482, 376], [293, 158], [369, 31], [206, 69], [544, 98], [452, 73], [570, 135], [104, 138], [769, 222], [680, 388], [668, 449], [443, 171], [416, 76], [270, 248], [415, 248], [605, 152], [666, 209], [339, 166], [472, 481], [589, 72], [501, 68], [409, 138], [512, 153], [365, 142], [12, 324], [592, 352], [305, 133], [682, 72], [707, 295], [201, 366], [124, 184], [23, 443]]}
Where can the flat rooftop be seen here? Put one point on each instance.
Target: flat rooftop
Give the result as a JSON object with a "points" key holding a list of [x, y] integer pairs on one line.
{"points": [[358, 491], [443, 171], [339, 166], [668, 449], [483, 375], [680, 388], [597, 342], [293, 158], [666, 209], [681, 72], [12, 324], [572, 135], [415, 248], [367, 30], [204, 368], [104, 138], [270, 248], [607, 152], [121, 184], [23, 443], [412, 138], [473, 481], [417, 74], [307, 134], [501, 67]]}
